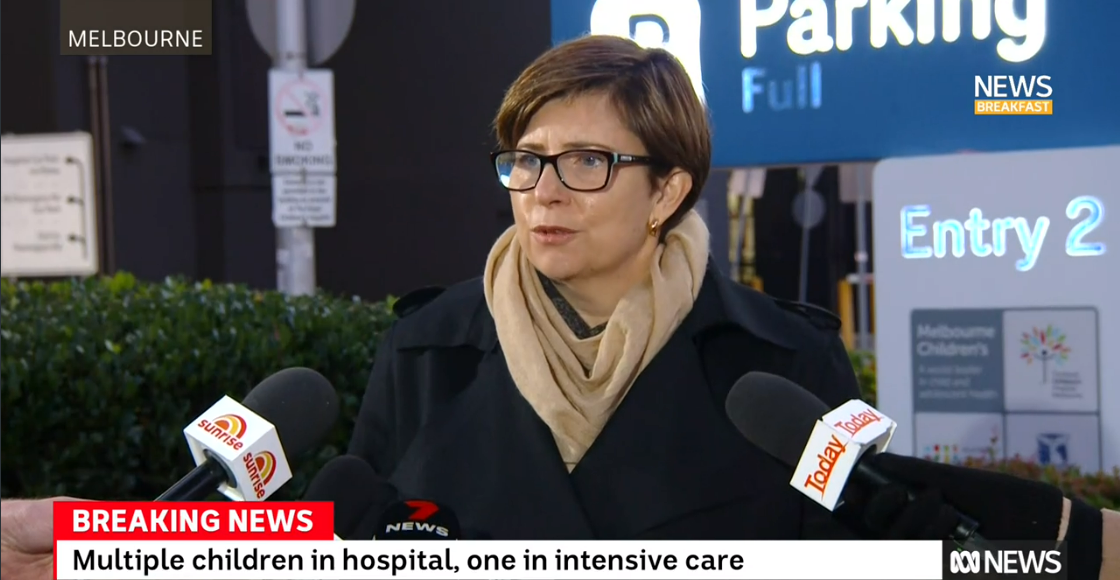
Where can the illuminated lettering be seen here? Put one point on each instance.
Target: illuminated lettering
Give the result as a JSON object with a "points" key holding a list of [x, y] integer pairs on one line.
{"points": [[808, 33], [1075, 244], [912, 231], [948, 229], [976, 225], [951, 237], [673, 25], [803, 91]]}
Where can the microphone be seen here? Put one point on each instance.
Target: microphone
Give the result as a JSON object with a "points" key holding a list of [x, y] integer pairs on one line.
{"points": [[418, 519], [827, 448], [355, 489], [242, 450]]}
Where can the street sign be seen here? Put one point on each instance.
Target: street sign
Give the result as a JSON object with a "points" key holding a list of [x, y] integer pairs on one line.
{"points": [[304, 200], [48, 206], [301, 113], [328, 23]]}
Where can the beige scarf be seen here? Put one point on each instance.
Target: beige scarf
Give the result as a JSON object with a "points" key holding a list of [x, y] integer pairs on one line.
{"points": [[575, 384]]}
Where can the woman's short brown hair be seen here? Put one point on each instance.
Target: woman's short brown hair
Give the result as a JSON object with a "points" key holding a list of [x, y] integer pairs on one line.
{"points": [[649, 87]]}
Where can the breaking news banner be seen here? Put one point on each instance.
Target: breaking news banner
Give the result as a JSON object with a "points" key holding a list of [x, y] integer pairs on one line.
{"points": [[295, 541]]}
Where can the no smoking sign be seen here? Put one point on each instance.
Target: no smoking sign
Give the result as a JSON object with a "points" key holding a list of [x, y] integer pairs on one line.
{"points": [[299, 106], [302, 121]]}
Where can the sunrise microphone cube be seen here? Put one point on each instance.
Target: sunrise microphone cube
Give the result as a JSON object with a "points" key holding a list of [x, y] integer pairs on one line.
{"points": [[247, 446]]}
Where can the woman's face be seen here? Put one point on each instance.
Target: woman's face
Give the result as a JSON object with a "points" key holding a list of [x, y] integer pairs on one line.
{"points": [[570, 235]]}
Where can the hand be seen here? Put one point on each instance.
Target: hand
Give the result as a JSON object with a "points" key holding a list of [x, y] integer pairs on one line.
{"points": [[27, 538], [1006, 507]]}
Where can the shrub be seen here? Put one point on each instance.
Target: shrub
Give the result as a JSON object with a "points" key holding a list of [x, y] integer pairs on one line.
{"points": [[1100, 489], [100, 376]]}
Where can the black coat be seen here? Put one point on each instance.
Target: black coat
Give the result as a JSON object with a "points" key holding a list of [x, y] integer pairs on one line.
{"points": [[444, 421]]}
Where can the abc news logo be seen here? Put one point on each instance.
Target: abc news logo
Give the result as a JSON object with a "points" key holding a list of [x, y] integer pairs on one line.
{"points": [[1020, 560]]}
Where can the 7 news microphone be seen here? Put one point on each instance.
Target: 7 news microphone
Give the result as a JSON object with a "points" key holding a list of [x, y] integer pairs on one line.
{"points": [[242, 449], [829, 449], [417, 519], [367, 506], [359, 495]]}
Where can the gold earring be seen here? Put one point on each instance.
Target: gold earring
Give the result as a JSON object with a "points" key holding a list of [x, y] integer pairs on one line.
{"points": [[653, 227]]}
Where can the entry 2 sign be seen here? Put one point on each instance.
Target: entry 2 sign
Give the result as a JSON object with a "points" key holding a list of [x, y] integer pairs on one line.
{"points": [[996, 277]]}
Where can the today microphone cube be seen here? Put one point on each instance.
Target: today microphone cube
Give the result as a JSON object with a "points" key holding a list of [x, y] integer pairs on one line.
{"points": [[247, 446], [838, 440]]}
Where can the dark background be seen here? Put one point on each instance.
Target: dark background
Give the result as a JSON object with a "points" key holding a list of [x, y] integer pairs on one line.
{"points": [[417, 84]]}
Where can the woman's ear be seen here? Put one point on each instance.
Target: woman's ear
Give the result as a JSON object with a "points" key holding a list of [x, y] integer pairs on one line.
{"points": [[674, 189]]}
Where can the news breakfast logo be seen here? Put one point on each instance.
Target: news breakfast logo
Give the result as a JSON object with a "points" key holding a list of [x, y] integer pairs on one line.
{"points": [[1013, 95], [1022, 559], [229, 429], [1043, 346]]}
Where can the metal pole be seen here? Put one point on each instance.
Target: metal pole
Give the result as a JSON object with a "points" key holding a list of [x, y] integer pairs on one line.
{"points": [[862, 337], [808, 177], [295, 247]]}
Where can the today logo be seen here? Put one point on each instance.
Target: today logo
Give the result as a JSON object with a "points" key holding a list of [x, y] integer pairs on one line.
{"points": [[834, 449]]}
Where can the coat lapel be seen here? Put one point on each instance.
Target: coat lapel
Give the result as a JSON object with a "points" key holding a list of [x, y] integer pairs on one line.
{"points": [[669, 450], [519, 477]]}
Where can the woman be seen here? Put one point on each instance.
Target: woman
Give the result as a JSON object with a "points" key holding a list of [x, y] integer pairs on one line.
{"points": [[577, 389]]}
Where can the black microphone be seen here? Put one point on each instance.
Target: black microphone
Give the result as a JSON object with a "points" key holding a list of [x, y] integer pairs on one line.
{"points": [[779, 417], [418, 519], [242, 450], [355, 489]]}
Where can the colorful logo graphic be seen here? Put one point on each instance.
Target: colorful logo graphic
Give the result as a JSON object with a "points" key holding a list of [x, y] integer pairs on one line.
{"points": [[232, 424], [266, 466], [424, 509], [1043, 345], [943, 453], [1053, 449]]}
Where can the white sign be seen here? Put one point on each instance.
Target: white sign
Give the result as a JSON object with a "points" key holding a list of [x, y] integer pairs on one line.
{"points": [[48, 206], [304, 200], [996, 277], [301, 131]]}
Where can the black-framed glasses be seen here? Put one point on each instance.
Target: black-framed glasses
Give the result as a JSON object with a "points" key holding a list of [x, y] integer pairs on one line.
{"points": [[578, 169]]}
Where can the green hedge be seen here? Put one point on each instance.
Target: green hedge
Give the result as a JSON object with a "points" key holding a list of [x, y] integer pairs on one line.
{"points": [[100, 376]]}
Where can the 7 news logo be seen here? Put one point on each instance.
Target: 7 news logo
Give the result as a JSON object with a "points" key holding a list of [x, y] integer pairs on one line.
{"points": [[1037, 560]]}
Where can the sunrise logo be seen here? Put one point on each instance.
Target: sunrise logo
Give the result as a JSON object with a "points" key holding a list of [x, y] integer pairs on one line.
{"points": [[260, 467], [228, 429], [232, 424], [266, 466], [1043, 346]]}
